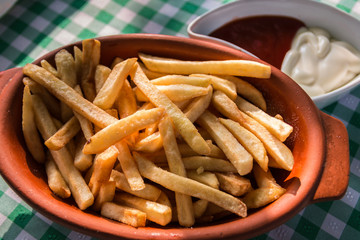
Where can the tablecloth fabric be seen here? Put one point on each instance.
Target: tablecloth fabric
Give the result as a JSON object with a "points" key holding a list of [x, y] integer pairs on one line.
{"points": [[32, 28]]}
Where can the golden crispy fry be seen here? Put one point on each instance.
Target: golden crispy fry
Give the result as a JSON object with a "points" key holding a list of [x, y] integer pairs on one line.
{"points": [[150, 192], [215, 152], [182, 124], [180, 79], [106, 194], [62, 157], [45, 64], [262, 196], [64, 134], [130, 216], [233, 183], [151, 143], [234, 151], [126, 101], [244, 68], [90, 59], [264, 179], [86, 126], [277, 127], [194, 110], [150, 74], [155, 212], [78, 56], [103, 165], [190, 187], [184, 205], [208, 164], [250, 142], [65, 65], [101, 74], [32, 138], [248, 91], [221, 84], [55, 181], [121, 129], [278, 150], [82, 161], [129, 167], [207, 178], [112, 86]]}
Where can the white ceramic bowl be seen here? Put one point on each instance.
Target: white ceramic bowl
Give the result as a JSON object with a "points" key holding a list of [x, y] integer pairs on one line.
{"points": [[340, 25]]}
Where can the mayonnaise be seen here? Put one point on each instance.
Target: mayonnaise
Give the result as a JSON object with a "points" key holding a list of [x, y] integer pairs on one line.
{"points": [[320, 64]]}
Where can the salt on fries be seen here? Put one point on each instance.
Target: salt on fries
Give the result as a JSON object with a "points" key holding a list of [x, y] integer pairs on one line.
{"points": [[154, 139]]}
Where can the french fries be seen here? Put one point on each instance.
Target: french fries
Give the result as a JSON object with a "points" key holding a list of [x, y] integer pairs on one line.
{"points": [[154, 139]]}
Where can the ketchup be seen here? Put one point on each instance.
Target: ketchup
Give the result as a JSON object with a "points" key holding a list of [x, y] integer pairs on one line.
{"points": [[267, 37]]}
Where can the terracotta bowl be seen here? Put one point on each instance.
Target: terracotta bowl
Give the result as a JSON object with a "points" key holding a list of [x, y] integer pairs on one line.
{"points": [[319, 144]]}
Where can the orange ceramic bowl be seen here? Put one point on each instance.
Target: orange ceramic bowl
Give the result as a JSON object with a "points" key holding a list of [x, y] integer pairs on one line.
{"points": [[319, 144]]}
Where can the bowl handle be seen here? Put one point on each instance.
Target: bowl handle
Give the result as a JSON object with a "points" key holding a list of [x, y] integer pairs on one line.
{"points": [[6, 75], [335, 176]]}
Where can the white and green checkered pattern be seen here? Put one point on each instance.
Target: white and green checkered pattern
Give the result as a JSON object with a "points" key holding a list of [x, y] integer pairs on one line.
{"points": [[32, 28]]}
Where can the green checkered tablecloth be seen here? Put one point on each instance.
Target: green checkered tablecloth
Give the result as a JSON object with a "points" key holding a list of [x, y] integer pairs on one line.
{"points": [[32, 28]]}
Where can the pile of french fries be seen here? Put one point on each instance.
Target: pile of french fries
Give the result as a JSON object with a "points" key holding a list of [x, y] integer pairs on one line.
{"points": [[154, 139]]}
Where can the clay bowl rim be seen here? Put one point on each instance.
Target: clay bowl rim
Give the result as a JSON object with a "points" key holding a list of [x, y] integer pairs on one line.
{"points": [[298, 195]]}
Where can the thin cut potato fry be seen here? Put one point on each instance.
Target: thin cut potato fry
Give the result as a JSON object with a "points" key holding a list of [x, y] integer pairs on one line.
{"points": [[150, 192], [215, 152], [278, 128], [250, 142], [209, 164], [103, 165], [129, 167], [130, 216], [264, 178], [243, 68], [78, 56], [82, 161], [278, 150], [55, 181], [155, 212], [150, 74], [194, 110], [248, 91], [221, 84], [106, 194], [86, 126], [62, 157], [121, 129], [112, 86], [182, 124], [126, 101], [101, 74], [45, 64], [190, 187], [234, 151], [262, 196], [90, 59], [151, 143], [233, 184], [181, 79], [31, 135], [185, 211], [207, 178], [64, 134], [65, 65]]}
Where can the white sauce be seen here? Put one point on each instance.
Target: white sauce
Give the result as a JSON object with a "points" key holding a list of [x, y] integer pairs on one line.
{"points": [[320, 64]]}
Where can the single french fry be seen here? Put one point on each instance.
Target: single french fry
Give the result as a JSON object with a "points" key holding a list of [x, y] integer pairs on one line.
{"points": [[197, 107], [264, 178], [207, 178], [106, 194], [130, 216], [278, 150], [86, 126], [182, 124], [209, 164], [103, 165], [155, 212], [55, 180], [262, 196], [150, 192], [233, 184], [121, 129], [101, 74], [234, 151], [187, 186], [150, 74], [215, 151], [65, 65], [31, 135], [185, 211], [82, 161], [78, 56], [64, 134], [129, 167], [151, 143], [243, 68], [78, 187], [250, 142], [180, 79], [90, 59], [221, 84], [200, 207], [278, 128], [126, 101], [248, 91], [113, 84], [45, 64]]}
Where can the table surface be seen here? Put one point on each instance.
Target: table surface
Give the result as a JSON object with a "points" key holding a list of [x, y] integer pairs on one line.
{"points": [[32, 28]]}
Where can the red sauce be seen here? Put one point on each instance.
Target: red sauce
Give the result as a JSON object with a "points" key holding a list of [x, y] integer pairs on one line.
{"points": [[267, 37]]}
